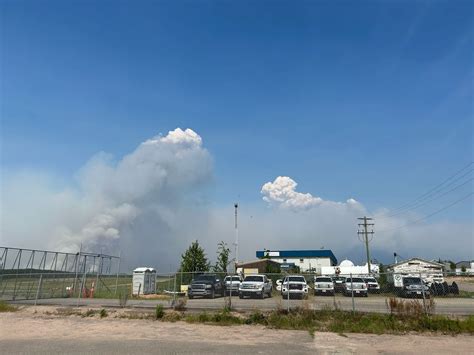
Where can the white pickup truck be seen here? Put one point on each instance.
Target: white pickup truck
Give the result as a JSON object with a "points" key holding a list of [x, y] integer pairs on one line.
{"points": [[256, 286], [323, 285], [294, 285]]}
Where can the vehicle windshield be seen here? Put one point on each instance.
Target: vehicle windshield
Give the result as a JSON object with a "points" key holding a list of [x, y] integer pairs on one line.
{"points": [[411, 281], [234, 278], [323, 279], [340, 279], [355, 279], [370, 279], [254, 278], [205, 278]]}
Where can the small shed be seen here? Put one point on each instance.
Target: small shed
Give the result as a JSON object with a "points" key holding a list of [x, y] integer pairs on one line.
{"points": [[144, 279]]}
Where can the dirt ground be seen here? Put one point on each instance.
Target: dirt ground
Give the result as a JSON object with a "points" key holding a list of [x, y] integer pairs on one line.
{"points": [[41, 330]]}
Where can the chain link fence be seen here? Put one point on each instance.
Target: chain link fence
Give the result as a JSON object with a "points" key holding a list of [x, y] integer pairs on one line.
{"points": [[282, 290]]}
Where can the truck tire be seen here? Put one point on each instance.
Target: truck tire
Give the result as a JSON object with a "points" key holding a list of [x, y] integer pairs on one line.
{"points": [[263, 294], [241, 296], [213, 295]]}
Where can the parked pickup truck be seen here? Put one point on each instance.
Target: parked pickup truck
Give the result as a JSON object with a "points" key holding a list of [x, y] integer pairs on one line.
{"points": [[294, 285], [205, 286], [232, 284], [323, 285], [339, 282], [256, 286], [372, 284], [355, 285], [414, 287]]}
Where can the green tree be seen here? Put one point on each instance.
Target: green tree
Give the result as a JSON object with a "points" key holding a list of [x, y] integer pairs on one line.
{"points": [[223, 253], [452, 266], [194, 259]]}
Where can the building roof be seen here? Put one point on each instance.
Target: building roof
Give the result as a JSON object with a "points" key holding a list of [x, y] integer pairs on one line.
{"points": [[413, 259], [144, 269], [466, 264], [269, 261], [321, 253]]}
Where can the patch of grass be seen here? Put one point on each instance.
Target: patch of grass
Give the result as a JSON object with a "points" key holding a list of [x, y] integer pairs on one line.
{"points": [[341, 321], [159, 311], [5, 307], [103, 313]]}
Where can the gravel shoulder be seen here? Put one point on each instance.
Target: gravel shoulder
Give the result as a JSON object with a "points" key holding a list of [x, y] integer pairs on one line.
{"points": [[35, 330]]}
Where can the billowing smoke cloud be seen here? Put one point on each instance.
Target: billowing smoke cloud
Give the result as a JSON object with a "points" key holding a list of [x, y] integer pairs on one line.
{"points": [[138, 204], [282, 193]]}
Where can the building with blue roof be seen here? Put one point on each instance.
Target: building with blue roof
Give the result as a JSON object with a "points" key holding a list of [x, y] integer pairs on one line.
{"points": [[306, 260]]}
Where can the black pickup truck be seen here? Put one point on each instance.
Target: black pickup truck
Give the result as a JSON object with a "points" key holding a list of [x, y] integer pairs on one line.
{"points": [[206, 286]]}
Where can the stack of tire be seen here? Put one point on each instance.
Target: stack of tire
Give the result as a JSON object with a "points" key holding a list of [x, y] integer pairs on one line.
{"points": [[443, 289]]}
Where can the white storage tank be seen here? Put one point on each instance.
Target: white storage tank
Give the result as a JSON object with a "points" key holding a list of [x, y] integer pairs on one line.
{"points": [[144, 279]]}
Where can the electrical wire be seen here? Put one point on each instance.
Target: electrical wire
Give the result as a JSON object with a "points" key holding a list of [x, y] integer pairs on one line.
{"points": [[431, 192], [423, 203], [429, 215]]}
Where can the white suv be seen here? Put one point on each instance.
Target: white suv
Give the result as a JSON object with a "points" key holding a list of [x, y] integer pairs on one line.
{"points": [[323, 285]]}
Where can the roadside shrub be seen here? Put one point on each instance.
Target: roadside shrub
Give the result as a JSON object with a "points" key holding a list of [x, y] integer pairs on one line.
{"points": [[103, 313], [256, 317], [159, 311], [409, 308]]}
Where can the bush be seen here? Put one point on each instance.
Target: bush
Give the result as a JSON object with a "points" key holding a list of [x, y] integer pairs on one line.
{"points": [[103, 313], [159, 311]]}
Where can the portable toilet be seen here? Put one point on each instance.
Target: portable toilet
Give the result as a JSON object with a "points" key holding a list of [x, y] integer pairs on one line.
{"points": [[143, 281]]}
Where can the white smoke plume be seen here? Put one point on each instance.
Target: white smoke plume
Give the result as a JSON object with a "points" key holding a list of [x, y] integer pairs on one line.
{"points": [[282, 193], [137, 204]]}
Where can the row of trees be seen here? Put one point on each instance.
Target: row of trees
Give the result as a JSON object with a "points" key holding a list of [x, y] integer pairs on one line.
{"points": [[194, 259]]}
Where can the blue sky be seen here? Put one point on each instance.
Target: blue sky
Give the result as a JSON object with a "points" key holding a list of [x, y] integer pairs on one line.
{"points": [[368, 99]]}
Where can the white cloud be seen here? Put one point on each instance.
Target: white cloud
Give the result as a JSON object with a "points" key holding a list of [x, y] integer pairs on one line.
{"points": [[282, 193]]}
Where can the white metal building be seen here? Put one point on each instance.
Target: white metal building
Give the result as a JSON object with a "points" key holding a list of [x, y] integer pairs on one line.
{"points": [[430, 271], [347, 267], [306, 260], [144, 280]]}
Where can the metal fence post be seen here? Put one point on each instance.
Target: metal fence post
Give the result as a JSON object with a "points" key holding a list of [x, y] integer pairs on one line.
{"points": [[288, 290], [82, 286], [352, 293], [39, 288], [174, 291], [118, 270], [423, 292]]}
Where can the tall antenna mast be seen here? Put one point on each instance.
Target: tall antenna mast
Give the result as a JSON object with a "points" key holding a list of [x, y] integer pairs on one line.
{"points": [[236, 244]]}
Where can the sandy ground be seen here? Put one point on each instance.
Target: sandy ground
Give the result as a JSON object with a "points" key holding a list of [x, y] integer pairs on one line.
{"points": [[37, 330]]}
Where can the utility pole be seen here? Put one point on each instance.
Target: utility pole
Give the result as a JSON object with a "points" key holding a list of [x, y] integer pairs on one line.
{"points": [[366, 233], [236, 244]]}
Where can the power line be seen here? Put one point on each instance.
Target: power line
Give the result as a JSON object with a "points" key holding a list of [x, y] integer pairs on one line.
{"points": [[434, 189], [421, 203], [431, 214]]}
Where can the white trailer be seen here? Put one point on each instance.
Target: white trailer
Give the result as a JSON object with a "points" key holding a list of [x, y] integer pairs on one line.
{"points": [[144, 281]]}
